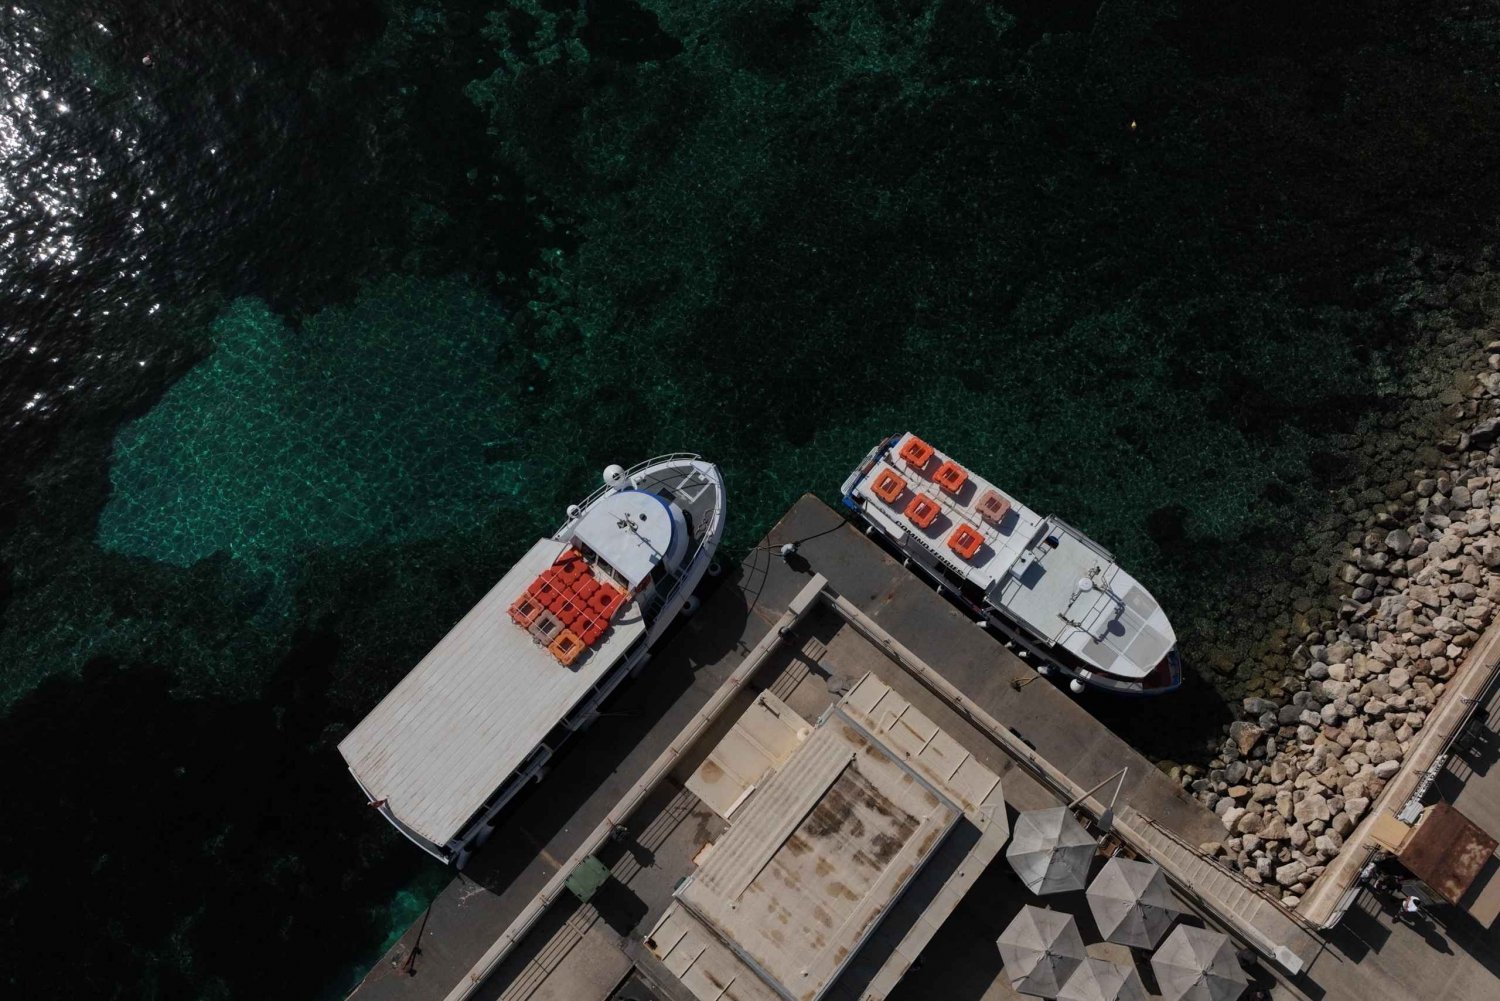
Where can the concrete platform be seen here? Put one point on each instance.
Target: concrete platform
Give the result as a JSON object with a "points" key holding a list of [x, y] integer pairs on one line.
{"points": [[581, 952]]}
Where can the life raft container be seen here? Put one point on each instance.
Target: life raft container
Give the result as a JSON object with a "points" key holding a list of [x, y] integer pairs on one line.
{"points": [[546, 627], [922, 511], [916, 453], [567, 647], [525, 609], [888, 486], [965, 541], [992, 507], [951, 476]]}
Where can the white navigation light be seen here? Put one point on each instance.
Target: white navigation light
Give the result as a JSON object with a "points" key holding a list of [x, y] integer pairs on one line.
{"points": [[614, 476]]}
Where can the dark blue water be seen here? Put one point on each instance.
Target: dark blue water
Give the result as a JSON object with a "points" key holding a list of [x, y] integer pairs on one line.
{"points": [[315, 313]]}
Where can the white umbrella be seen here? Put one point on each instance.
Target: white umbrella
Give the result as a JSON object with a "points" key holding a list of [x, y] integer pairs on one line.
{"points": [[1096, 980], [1050, 851], [1040, 949], [1195, 964], [1131, 903]]}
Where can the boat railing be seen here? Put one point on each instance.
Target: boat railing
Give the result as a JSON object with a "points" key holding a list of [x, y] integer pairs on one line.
{"points": [[1090, 543], [922, 544], [673, 582], [600, 490]]}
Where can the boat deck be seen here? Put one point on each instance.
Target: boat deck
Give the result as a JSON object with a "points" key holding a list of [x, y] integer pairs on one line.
{"points": [[1004, 543], [475, 708]]}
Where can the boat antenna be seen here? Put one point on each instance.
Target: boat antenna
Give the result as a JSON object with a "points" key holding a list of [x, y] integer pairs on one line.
{"points": [[627, 523]]}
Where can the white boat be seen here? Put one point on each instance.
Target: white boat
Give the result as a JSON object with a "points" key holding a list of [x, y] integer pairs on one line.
{"points": [[1056, 595], [483, 713]]}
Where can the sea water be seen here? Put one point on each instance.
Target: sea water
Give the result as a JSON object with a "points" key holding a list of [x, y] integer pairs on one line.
{"points": [[317, 313]]}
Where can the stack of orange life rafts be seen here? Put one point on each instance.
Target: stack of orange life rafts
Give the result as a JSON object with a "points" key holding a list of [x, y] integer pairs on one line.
{"points": [[923, 510], [567, 609]]}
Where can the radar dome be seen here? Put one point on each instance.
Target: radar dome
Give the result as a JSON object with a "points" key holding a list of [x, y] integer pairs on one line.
{"points": [[1085, 584], [614, 476]]}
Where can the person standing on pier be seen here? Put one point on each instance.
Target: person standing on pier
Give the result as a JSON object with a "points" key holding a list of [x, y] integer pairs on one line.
{"points": [[1411, 908]]}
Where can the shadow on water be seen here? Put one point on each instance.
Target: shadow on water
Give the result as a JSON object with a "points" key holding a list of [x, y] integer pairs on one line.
{"points": [[224, 830], [1173, 727]]}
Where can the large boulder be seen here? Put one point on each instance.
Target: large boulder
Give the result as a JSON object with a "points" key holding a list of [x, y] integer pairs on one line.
{"points": [[1335, 690], [1483, 434], [1291, 873], [1245, 735], [1249, 823], [1313, 807]]}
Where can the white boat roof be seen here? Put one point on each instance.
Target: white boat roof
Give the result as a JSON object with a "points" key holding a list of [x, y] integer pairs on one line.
{"points": [[1031, 566], [474, 709], [630, 530]]}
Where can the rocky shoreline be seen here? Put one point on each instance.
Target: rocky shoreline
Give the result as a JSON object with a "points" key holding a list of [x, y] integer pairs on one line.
{"points": [[1365, 663]]}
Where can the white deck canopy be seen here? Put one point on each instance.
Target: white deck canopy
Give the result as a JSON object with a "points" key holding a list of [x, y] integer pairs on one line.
{"points": [[631, 530], [473, 710]]}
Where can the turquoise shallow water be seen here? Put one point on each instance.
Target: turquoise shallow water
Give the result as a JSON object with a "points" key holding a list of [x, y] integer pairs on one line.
{"points": [[316, 317]]}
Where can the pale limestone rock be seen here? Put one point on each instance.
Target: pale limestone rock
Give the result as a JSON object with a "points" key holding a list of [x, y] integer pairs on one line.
{"points": [[1291, 873], [1311, 808]]}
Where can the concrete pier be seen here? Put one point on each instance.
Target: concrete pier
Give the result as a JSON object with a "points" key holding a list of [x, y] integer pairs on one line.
{"points": [[551, 821], [801, 628]]}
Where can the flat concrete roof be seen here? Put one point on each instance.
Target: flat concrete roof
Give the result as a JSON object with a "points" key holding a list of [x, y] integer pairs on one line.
{"points": [[821, 852], [817, 857]]}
